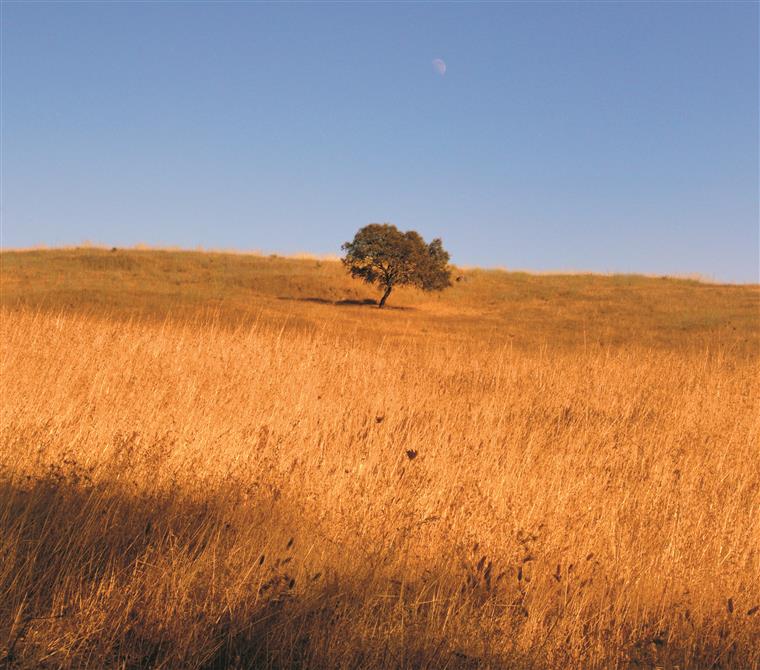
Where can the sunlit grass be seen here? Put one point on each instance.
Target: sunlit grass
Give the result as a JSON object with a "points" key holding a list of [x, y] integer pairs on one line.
{"points": [[223, 473]]}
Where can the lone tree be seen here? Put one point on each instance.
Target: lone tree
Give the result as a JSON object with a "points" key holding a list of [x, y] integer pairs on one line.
{"points": [[381, 254]]}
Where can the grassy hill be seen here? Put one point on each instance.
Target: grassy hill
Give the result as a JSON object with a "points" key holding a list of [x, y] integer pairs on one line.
{"points": [[527, 310], [231, 461]]}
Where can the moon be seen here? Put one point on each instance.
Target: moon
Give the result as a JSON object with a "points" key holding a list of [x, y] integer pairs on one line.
{"points": [[439, 66]]}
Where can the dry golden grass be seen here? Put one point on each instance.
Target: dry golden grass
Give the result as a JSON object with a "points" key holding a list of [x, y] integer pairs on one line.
{"points": [[291, 483]]}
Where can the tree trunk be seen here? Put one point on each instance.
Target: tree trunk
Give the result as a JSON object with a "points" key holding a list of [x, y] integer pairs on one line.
{"points": [[388, 290]]}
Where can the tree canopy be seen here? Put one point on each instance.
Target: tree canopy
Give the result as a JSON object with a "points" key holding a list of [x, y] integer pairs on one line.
{"points": [[381, 254]]}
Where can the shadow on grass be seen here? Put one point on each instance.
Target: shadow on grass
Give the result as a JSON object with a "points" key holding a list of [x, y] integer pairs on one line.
{"points": [[320, 301], [366, 302], [98, 574], [148, 580], [369, 302], [359, 303]]}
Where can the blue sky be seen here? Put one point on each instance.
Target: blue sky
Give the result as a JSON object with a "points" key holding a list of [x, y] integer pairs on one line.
{"points": [[589, 136]]}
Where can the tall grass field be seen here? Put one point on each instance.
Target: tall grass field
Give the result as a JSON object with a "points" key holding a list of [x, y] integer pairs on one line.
{"points": [[214, 460]]}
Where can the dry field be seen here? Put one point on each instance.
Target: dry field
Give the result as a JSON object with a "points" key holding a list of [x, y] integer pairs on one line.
{"points": [[214, 461]]}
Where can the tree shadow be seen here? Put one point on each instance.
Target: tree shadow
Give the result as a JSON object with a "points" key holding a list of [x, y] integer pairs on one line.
{"points": [[369, 302], [366, 302], [356, 303], [321, 301]]}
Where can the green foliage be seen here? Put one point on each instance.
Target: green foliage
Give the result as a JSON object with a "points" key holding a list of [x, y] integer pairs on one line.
{"points": [[381, 254]]}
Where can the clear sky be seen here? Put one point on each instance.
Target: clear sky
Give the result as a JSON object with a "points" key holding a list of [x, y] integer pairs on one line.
{"points": [[590, 136]]}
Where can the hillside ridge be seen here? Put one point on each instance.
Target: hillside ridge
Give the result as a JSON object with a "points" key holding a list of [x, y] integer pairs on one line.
{"points": [[519, 307]]}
